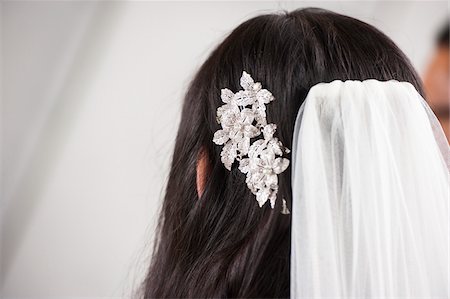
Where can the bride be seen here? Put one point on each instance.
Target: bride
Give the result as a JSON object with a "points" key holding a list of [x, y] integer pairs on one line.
{"points": [[307, 165]]}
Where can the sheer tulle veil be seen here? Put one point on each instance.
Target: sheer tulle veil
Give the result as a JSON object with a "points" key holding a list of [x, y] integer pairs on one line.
{"points": [[370, 205]]}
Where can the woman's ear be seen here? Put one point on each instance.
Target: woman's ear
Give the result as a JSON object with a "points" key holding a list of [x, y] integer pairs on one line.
{"points": [[203, 170]]}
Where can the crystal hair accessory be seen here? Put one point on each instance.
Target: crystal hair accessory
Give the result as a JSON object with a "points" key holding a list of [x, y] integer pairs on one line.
{"points": [[243, 117]]}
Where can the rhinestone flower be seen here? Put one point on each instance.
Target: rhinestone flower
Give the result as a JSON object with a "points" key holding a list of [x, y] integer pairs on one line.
{"points": [[243, 117]]}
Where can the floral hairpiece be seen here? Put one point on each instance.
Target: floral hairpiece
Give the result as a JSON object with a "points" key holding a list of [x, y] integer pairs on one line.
{"points": [[243, 117]]}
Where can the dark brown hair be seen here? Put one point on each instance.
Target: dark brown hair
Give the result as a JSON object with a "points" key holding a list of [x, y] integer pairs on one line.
{"points": [[443, 35], [223, 244]]}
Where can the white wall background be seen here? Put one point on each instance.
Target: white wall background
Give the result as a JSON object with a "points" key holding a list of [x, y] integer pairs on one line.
{"points": [[91, 95]]}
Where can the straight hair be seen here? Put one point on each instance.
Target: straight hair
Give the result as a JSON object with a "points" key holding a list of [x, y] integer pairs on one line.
{"points": [[222, 244]]}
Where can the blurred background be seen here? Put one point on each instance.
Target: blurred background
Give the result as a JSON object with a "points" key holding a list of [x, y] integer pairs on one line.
{"points": [[91, 97]]}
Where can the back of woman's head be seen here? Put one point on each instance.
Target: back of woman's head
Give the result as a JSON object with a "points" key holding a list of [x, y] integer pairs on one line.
{"points": [[222, 244]]}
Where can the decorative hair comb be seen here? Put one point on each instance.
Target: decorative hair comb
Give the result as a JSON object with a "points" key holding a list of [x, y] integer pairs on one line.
{"points": [[243, 117]]}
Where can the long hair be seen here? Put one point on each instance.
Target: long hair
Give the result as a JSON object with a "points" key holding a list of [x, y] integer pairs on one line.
{"points": [[222, 244]]}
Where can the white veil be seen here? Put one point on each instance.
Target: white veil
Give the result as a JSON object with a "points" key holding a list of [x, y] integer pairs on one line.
{"points": [[370, 205]]}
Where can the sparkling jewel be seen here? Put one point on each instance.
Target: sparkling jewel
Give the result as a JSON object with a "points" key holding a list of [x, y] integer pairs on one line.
{"points": [[243, 117]]}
